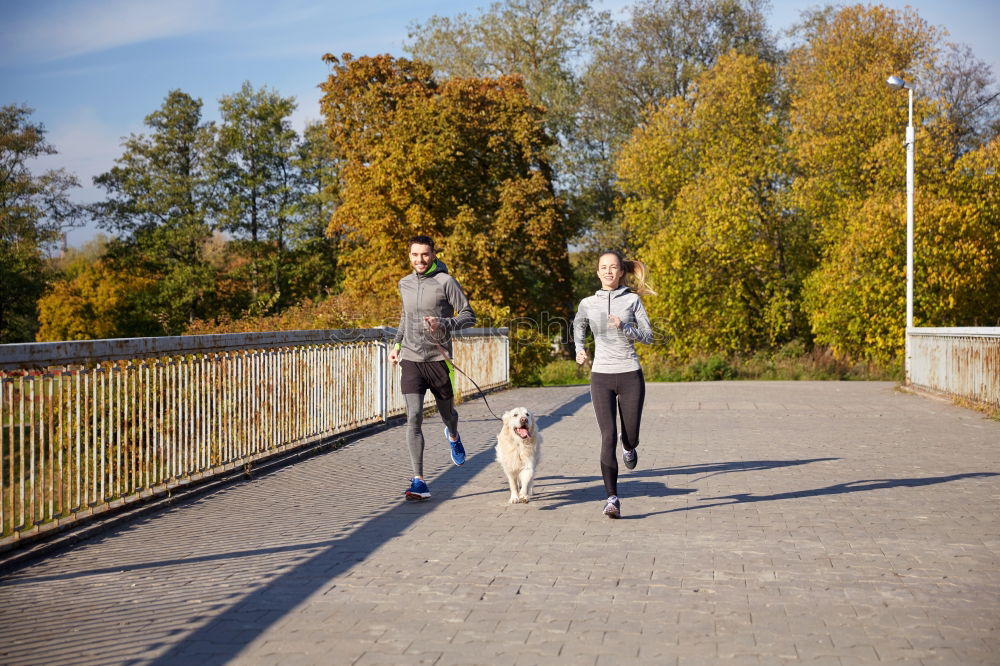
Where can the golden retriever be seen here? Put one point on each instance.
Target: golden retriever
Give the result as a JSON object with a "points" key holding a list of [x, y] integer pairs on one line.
{"points": [[519, 448]]}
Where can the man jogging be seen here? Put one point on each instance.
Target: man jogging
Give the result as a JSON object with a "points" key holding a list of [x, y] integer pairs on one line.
{"points": [[433, 306]]}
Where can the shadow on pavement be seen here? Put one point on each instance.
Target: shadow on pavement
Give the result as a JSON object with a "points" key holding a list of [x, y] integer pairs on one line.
{"points": [[644, 483], [836, 489], [262, 607]]}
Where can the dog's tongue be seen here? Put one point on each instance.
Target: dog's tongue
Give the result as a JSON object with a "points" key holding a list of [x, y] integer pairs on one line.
{"points": [[521, 432]]}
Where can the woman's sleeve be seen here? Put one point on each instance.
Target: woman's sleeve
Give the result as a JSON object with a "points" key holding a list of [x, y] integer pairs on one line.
{"points": [[580, 324], [641, 330]]}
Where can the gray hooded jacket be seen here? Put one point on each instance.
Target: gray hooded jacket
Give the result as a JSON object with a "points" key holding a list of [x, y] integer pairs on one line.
{"points": [[614, 348], [433, 293]]}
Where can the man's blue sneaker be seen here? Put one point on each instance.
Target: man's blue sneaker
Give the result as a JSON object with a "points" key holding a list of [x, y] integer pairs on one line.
{"points": [[418, 490], [457, 450]]}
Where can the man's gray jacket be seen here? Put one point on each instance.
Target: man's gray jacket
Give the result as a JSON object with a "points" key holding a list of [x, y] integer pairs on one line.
{"points": [[433, 293]]}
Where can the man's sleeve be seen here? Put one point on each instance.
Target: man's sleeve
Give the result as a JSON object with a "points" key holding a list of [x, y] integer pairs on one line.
{"points": [[399, 329], [402, 317], [464, 316]]}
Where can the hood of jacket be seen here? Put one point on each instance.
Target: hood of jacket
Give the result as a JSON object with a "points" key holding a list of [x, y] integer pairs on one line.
{"points": [[435, 268], [612, 293]]}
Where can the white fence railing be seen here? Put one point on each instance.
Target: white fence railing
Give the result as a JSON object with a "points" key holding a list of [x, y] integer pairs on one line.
{"points": [[963, 362], [90, 425]]}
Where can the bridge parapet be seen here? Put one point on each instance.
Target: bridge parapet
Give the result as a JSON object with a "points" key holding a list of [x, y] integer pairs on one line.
{"points": [[86, 426], [962, 362]]}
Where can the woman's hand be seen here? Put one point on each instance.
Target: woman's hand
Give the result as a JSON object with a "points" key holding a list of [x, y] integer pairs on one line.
{"points": [[614, 321], [581, 357]]}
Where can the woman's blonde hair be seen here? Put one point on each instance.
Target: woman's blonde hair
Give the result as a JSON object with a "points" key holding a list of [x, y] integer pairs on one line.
{"points": [[635, 273]]}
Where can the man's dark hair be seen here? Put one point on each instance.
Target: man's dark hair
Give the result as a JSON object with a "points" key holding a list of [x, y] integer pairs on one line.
{"points": [[422, 240]]}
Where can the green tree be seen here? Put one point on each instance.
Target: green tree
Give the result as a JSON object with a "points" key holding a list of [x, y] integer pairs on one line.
{"points": [[970, 95], [463, 161], [539, 39], [312, 264], [704, 181], [34, 210], [658, 51], [651, 56], [252, 172], [158, 206]]}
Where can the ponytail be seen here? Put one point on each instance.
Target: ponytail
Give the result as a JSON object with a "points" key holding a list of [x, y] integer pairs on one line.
{"points": [[634, 273], [635, 277]]}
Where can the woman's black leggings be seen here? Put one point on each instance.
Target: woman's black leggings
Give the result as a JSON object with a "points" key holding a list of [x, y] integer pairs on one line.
{"points": [[611, 393]]}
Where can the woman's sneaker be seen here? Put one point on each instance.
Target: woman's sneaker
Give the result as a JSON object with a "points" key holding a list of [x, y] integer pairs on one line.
{"points": [[418, 490], [457, 450], [630, 458], [613, 508]]}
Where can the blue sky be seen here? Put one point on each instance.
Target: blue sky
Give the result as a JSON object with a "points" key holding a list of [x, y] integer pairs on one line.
{"points": [[93, 69]]}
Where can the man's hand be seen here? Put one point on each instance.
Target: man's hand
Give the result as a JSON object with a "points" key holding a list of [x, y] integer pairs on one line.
{"points": [[433, 324], [614, 321], [394, 355], [581, 357]]}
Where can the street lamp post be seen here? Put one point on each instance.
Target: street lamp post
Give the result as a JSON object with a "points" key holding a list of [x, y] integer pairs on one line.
{"points": [[900, 84]]}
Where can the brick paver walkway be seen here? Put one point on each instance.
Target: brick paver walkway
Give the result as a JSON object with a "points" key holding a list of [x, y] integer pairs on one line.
{"points": [[766, 523]]}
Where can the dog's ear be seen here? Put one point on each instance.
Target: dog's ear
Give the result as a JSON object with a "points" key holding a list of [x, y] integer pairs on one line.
{"points": [[505, 416]]}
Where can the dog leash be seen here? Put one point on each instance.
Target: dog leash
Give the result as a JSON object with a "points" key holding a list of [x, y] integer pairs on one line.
{"points": [[451, 362]]}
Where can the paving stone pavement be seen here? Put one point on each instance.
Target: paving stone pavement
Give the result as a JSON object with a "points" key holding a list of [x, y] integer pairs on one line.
{"points": [[767, 523]]}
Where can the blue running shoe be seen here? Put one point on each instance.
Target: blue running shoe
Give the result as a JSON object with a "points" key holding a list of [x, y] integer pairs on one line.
{"points": [[457, 450], [418, 490]]}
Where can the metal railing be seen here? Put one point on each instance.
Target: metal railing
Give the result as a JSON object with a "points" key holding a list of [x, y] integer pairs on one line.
{"points": [[963, 362], [86, 426]]}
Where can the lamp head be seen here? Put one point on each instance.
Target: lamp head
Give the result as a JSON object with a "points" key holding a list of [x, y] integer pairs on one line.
{"points": [[897, 83]]}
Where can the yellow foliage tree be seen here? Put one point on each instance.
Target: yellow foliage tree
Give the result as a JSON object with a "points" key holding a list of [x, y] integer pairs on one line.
{"points": [[847, 127], [463, 161], [99, 302], [703, 180]]}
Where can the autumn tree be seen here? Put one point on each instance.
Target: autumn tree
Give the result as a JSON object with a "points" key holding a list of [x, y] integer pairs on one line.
{"points": [[463, 161], [850, 177], [98, 301], [34, 211], [704, 179], [158, 207]]}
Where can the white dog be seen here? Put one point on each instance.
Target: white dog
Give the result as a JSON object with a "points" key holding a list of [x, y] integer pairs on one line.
{"points": [[519, 448]]}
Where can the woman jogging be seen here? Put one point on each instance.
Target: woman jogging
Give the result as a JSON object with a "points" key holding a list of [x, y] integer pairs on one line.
{"points": [[617, 318]]}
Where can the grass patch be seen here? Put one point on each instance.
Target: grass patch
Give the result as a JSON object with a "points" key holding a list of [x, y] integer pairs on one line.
{"points": [[563, 373], [791, 362]]}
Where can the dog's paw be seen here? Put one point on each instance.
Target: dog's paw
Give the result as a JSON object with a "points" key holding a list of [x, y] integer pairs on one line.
{"points": [[514, 499], [523, 499]]}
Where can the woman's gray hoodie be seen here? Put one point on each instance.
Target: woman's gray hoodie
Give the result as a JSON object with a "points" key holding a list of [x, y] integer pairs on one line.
{"points": [[432, 293], [614, 351]]}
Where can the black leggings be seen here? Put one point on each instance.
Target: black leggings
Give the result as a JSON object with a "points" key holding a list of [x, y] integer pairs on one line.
{"points": [[608, 393]]}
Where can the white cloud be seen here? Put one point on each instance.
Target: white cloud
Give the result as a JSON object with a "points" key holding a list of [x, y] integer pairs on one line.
{"points": [[62, 30], [86, 147]]}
